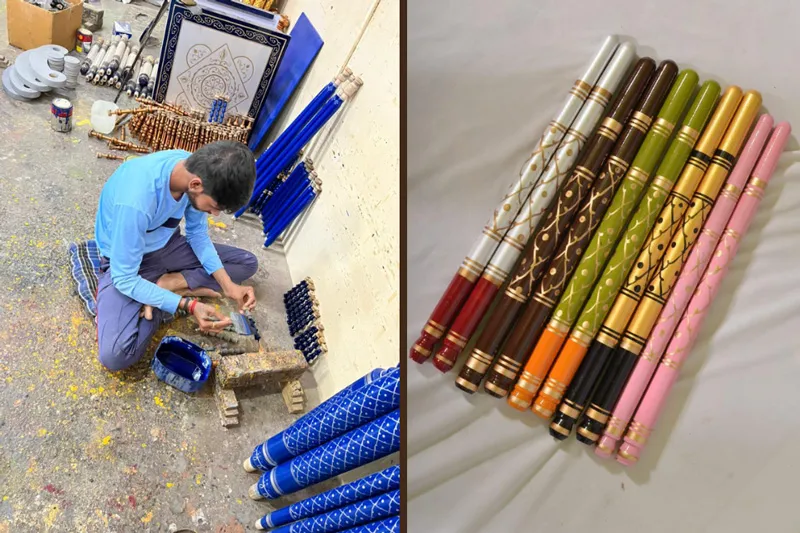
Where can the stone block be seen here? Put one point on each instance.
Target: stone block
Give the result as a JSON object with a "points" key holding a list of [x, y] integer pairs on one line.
{"points": [[92, 18], [271, 369]]}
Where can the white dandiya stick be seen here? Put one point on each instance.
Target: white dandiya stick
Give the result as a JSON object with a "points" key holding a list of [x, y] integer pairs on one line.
{"points": [[495, 229], [557, 171]]}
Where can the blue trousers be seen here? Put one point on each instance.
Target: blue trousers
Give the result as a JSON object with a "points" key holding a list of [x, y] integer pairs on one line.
{"points": [[122, 336]]}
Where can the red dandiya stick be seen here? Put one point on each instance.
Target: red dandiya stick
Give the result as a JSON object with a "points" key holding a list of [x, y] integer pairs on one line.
{"points": [[498, 225]]}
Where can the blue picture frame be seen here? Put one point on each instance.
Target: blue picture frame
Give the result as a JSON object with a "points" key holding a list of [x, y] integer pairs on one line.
{"points": [[178, 13]]}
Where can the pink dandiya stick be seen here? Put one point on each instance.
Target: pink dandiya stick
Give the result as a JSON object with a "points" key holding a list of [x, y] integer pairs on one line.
{"points": [[689, 327], [685, 286]]}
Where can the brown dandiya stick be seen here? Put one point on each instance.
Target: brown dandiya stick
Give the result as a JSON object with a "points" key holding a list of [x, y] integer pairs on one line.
{"points": [[592, 210], [551, 230]]}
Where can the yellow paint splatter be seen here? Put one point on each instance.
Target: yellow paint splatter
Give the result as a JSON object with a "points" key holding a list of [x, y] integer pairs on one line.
{"points": [[144, 445], [51, 516], [83, 122], [158, 401], [170, 485], [5, 498], [73, 388], [238, 501], [212, 222], [146, 518], [106, 441], [42, 432], [198, 478]]}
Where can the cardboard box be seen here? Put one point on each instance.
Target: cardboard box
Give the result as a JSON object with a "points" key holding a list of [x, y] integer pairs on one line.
{"points": [[30, 26]]}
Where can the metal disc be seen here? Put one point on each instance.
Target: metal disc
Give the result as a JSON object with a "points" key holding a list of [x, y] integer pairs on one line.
{"points": [[9, 88], [23, 66], [53, 78], [22, 88]]}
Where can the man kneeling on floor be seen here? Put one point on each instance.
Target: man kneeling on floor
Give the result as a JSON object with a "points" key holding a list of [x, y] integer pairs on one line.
{"points": [[149, 269]]}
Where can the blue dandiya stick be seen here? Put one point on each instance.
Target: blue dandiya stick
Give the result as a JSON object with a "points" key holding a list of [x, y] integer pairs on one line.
{"points": [[264, 178], [222, 110], [360, 446], [269, 199], [361, 489], [387, 525], [295, 183], [363, 512], [280, 227], [293, 205], [269, 192], [286, 213], [332, 420], [297, 124]]}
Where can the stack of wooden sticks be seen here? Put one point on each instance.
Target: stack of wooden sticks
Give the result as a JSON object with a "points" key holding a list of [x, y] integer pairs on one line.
{"points": [[164, 126], [170, 126]]}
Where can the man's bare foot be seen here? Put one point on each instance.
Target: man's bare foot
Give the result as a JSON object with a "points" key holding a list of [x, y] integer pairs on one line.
{"points": [[175, 282], [199, 292]]}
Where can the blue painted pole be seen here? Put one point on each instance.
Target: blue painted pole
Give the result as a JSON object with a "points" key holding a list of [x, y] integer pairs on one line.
{"points": [[274, 149], [285, 204], [294, 184], [297, 176], [359, 490], [364, 512], [330, 420], [387, 525], [276, 229], [301, 140]]}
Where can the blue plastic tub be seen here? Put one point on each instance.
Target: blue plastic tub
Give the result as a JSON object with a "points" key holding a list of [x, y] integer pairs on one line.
{"points": [[182, 364]]}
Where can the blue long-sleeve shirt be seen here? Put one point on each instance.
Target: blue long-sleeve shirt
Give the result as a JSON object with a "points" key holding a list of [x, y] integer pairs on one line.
{"points": [[136, 200]]}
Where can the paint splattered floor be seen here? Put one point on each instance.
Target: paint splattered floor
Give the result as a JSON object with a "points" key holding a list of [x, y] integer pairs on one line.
{"points": [[82, 450]]}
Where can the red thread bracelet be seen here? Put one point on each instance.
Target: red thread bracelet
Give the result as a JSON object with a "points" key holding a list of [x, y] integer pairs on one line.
{"points": [[192, 305]]}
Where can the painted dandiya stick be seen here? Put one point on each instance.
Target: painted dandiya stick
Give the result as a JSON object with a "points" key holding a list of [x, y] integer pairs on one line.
{"points": [[598, 245], [361, 489], [360, 446], [616, 168], [649, 409], [364, 512], [660, 286], [655, 217], [527, 220], [685, 286], [90, 57], [510, 315], [495, 229], [335, 419], [387, 525]]}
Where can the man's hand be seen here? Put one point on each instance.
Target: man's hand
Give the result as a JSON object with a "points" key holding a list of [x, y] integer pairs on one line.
{"points": [[209, 319], [245, 296]]}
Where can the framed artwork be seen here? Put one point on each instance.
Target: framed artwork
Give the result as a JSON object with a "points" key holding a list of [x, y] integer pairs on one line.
{"points": [[214, 49]]}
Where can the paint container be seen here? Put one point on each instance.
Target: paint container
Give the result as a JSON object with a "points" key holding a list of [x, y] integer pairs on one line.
{"points": [[61, 115], [84, 42], [181, 364]]}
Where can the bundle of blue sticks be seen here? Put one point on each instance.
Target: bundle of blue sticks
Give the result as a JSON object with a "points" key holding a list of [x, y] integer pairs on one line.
{"points": [[302, 317], [285, 186]]}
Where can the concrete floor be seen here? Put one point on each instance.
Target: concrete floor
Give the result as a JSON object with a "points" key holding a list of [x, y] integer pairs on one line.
{"points": [[82, 450]]}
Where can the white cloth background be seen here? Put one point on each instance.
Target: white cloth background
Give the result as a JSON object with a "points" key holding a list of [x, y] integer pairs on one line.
{"points": [[483, 80]]}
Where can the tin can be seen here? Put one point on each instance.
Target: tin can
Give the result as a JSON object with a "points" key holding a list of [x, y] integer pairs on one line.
{"points": [[61, 114], [84, 42]]}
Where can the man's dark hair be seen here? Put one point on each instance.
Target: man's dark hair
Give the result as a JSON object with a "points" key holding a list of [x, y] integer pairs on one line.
{"points": [[227, 170]]}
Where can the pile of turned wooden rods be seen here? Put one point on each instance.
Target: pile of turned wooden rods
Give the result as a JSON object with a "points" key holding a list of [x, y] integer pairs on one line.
{"points": [[164, 126]]}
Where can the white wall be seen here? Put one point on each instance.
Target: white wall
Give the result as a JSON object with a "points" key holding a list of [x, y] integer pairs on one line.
{"points": [[349, 241]]}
